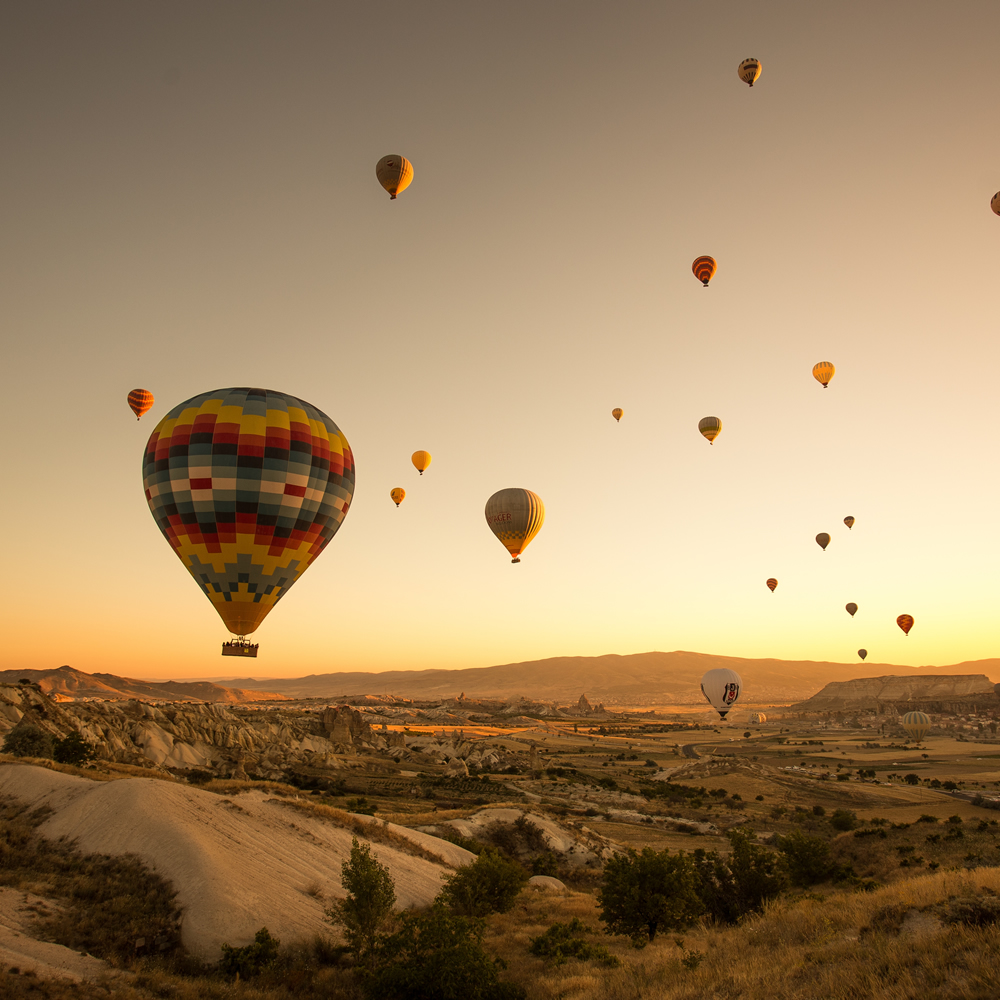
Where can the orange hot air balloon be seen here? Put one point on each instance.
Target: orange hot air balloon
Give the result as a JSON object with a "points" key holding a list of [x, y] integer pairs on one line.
{"points": [[398, 495], [617, 413], [823, 371], [420, 460], [905, 622], [849, 521], [394, 173], [704, 269], [140, 400], [823, 540], [772, 583]]}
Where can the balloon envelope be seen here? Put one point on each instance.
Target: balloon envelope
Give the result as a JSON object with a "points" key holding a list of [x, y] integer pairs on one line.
{"points": [[617, 413], [916, 724], [398, 495], [772, 583], [823, 372], [420, 460], [757, 718], [394, 173], [140, 400], [905, 622], [823, 540], [995, 203], [710, 427], [248, 486], [721, 687], [849, 521], [863, 653], [851, 608], [515, 517], [749, 71], [703, 269]]}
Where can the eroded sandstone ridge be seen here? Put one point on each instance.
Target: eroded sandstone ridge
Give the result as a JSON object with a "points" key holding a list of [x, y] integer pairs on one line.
{"points": [[938, 693]]}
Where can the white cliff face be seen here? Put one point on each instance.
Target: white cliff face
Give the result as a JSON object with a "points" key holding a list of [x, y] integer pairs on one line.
{"points": [[870, 692]]}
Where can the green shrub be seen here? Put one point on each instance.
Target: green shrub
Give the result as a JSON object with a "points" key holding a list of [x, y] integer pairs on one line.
{"points": [[367, 908], [733, 887], [26, 740], [559, 944], [489, 885], [72, 749], [252, 959], [807, 859], [843, 819]]}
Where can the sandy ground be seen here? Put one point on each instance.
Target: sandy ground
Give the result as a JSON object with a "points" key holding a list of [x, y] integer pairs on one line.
{"points": [[21, 951], [238, 863]]}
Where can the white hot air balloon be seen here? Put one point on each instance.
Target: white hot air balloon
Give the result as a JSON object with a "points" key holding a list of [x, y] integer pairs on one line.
{"points": [[721, 687]]}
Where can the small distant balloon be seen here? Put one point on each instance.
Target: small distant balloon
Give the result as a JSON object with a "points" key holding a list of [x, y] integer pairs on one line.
{"points": [[140, 400], [823, 540], [749, 71], [849, 521], [863, 653], [617, 413], [772, 583], [995, 203], [721, 687], [704, 269], [917, 725], [758, 719], [420, 460], [823, 372], [851, 608], [394, 173], [398, 495], [710, 427], [905, 622]]}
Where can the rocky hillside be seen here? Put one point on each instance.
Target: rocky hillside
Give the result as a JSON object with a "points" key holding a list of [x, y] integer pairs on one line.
{"points": [[952, 693]]}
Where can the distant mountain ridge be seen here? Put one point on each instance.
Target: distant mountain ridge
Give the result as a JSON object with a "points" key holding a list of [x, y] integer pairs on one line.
{"points": [[66, 684], [636, 679]]}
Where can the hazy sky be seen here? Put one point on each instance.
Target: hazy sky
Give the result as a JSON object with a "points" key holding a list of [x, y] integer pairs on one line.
{"points": [[189, 202]]}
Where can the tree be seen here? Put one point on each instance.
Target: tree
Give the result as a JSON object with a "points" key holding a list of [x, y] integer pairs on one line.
{"points": [[843, 819], [640, 893], [807, 859], [367, 908], [28, 741], [72, 749], [437, 956], [252, 959], [489, 885], [911, 779], [756, 872]]}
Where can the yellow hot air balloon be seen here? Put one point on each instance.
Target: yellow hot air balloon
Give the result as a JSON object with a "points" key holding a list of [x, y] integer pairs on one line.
{"points": [[995, 203], [617, 413], [420, 460], [515, 517], [703, 269], [823, 540], [849, 521], [710, 427], [823, 372], [394, 173], [917, 725], [749, 71], [772, 583], [398, 495]]}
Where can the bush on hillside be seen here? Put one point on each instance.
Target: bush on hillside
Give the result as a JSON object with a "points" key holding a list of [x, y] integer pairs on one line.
{"points": [[730, 888], [72, 749], [561, 942], [366, 910], [252, 959], [28, 741], [807, 859], [489, 885], [843, 819]]}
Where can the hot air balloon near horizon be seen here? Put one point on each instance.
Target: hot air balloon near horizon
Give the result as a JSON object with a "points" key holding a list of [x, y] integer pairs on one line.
{"points": [[917, 725], [398, 495], [721, 687], [710, 427], [139, 401], [421, 460], [849, 521], [905, 622], [749, 71], [703, 269], [823, 372], [863, 653], [771, 583], [394, 173], [823, 540], [851, 608], [515, 516], [248, 486], [995, 203], [617, 413]]}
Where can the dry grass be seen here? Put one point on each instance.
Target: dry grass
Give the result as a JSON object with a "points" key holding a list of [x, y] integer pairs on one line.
{"points": [[104, 770], [433, 818]]}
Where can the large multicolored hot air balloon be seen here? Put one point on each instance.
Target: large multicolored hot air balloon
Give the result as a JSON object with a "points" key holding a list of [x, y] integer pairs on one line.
{"points": [[710, 427], [823, 371], [995, 203], [394, 173], [515, 517], [248, 486], [703, 269], [421, 460], [851, 609], [721, 687], [771, 584], [863, 653], [398, 495], [823, 540], [849, 521], [916, 724], [140, 400], [749, 71], [617, 413], [905, 622]]}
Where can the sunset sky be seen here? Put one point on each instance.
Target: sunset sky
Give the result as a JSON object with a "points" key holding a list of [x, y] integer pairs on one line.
{"points": [[189, 202]]}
